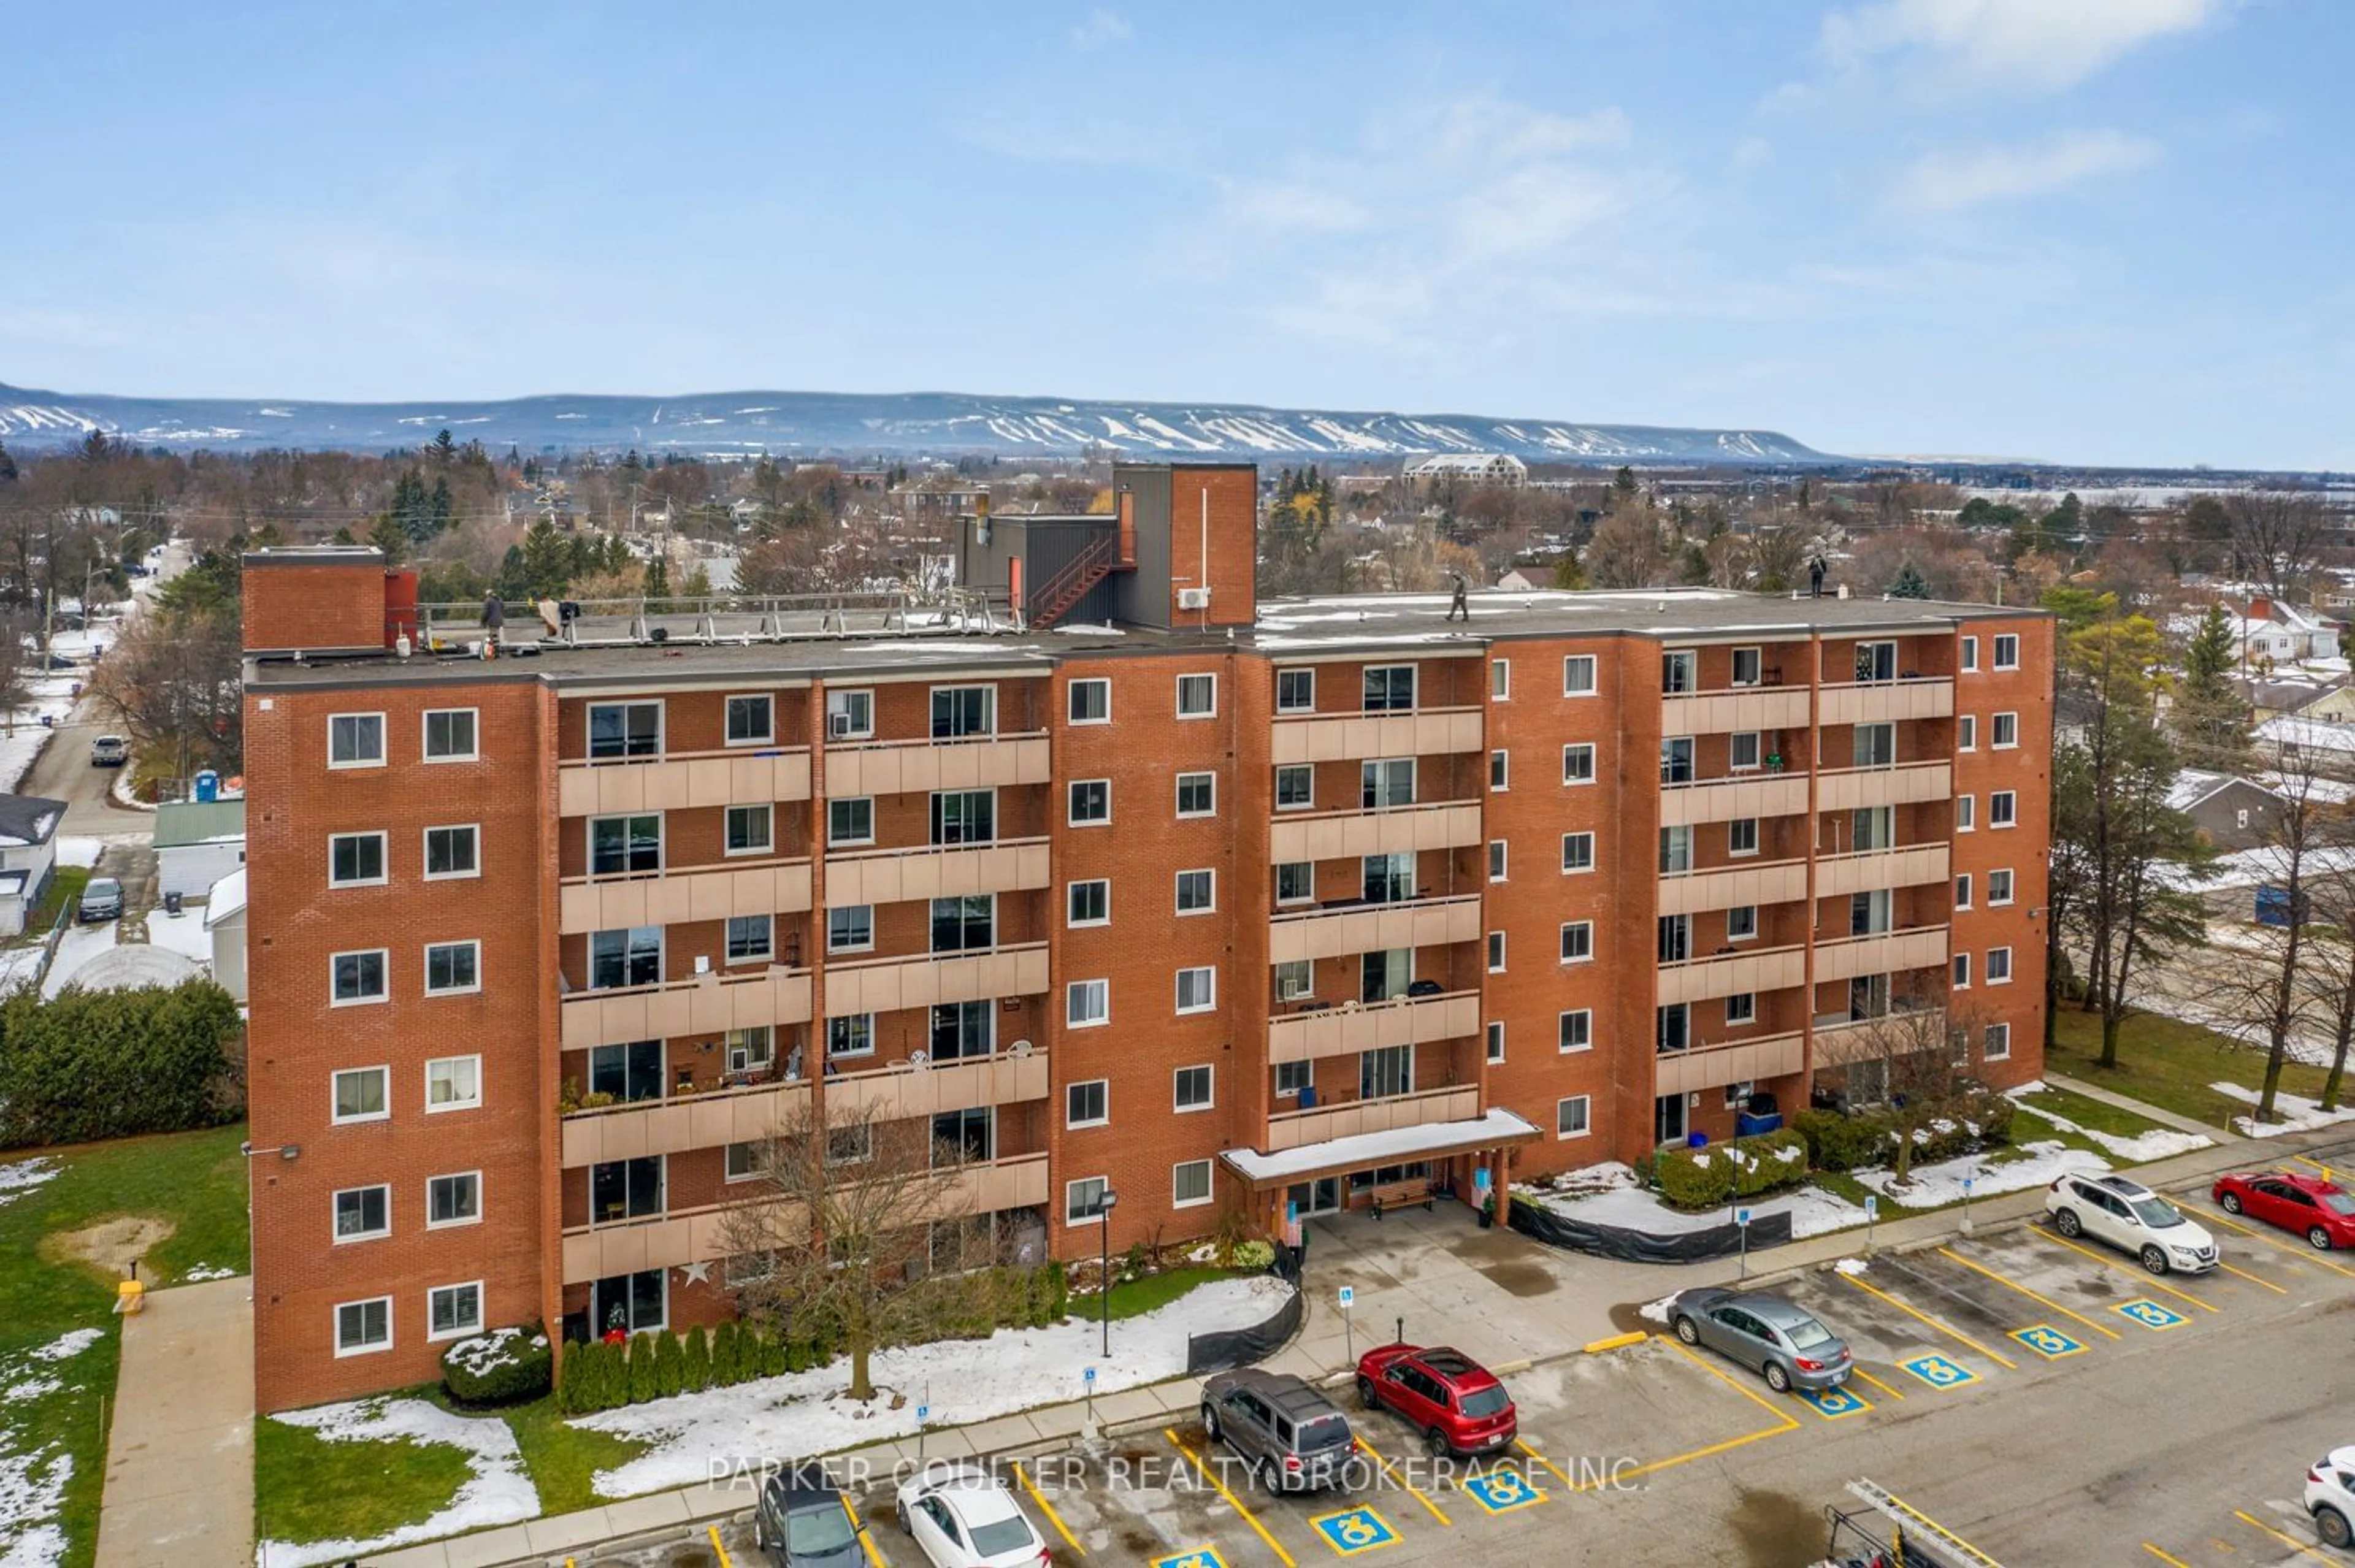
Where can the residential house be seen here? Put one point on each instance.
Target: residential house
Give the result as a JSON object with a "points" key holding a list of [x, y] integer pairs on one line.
{"points": [[198, 842], [1470, 469], [29, 854], [225, 923], [2232, 813]]}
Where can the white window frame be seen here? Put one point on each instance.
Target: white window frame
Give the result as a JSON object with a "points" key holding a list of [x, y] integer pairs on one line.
{"points": [[1733, 850], [1496, 1042], [1209, 1100], [1072, 801], [1099, 992], [1210, 1184], [1733, 761], [1966, 732], [1750, 936], [468, 990], [752, 1169], [1297, 901], [767, 814], [383, 861], [474, 751], [866, 946], [365, 1348], [1586, 838], [1297, 672], [1568, 780], [1990, 965], [473, 1064], [1305, 1071], [1734, 666], [376, 761], [1748, 1013], [1588, 927], [767, 700], [1500, 680], [1500, 771], [1994, 732], [1199, 777], [1585, 1127], [383, 1072], [766, 954], [2001, 639], [1071, 920], [1200, 971], [1574, 664], [852, 696], [333, 1203], [1584, 1027], [1104, 1119], [475, 1219], [474, 831], [1967, 814], [1177, 697], [1958, 974], [433, 1334], [1962, 890], [1099, 684], [1303, 970], [1095, 1214], [1177, 892], [1988, 1050], [2011, 887], [1499, 860], [1496, 952], [378, 1000], [850, 1053], [2003, 808], [1307, 805], [1970, 657], [854, 842]]}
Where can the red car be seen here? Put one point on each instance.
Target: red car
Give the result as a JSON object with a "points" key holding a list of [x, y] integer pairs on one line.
{"points": [[2318, 1209], [1455, 1402]]}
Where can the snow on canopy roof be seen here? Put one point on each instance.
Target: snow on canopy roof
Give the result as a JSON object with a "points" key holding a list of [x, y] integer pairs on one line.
{"points": [[1362, 1150], [227, 898]]}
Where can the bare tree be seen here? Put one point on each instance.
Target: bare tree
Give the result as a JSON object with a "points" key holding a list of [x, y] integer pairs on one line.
{"points": [[1626, 552], [2329, 980], [1924, 1061], [2278, 537], [175, 678]]}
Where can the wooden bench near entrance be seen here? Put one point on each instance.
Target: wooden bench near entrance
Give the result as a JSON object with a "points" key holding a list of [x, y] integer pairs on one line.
{"points": [[1401, 1194]]}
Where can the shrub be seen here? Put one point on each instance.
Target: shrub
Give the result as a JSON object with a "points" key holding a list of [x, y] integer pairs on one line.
{"points": [[724, 1339], [642, 1379], [1835, 1142], [695, 1362], [595, 1378], [1250, 1254], [670, 1366], [88, 1065], [1746, 1168], [504, 1365]]}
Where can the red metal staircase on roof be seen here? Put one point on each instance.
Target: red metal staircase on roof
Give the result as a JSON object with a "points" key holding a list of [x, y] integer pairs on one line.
{"points": [[1109, 551]]}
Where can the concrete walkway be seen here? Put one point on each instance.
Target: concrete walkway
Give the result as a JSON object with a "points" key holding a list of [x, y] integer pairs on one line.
{"points": [[2149, 1113], [179, 1462]]}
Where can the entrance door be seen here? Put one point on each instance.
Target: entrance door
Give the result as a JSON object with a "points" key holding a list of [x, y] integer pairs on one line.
{"points": [[1322, 1196], [1668, 1119]]}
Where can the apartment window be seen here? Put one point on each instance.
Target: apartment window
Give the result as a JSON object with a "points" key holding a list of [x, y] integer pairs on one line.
{"points": [[1197, 696], [453, 852], [1874, 746], [1193, 1088], [1999, 888], [744, 1161], [1088, 904], [1087, 1105], [1679, 672], [959, 712], [1876, 661], [1084, 1200], [1966, 732], [1578, 675], [363, 1213], [355, 860], [1569, 1117], [1869, 914], [1091, 802], [850, 820], [1197, 892], [1087, 1003], [850, 1146], [1999, 965], [2007, 652], [853, 1034], [1742, 1008], [851, 929], [1495, 952], [629, 1072], [1675, 849], [963, 1032], [1496, 860], [1962, 971], [1741, 836], [629, 956], [1578, 763], [1965, 812], [2007, 731], [1677, 760], [1675, 938], [1500, 680], [1970, 653], [1386, 782], [453, 1310], [1296, 882], [454, 1199], [1746, 664], [450, 735], [1295, 787], [1742, 750], [620, 845], [1292, 1077], [624, 730], [358, 976], [1672, 1027], [1963, 891], [751, 829], [751, 721], [749, 938], [964, 922], [362, 1094], [1577, 941], [1389, 689], [1198, 991], [1294, 980], [1189, 1184], [1998, 1042], [1496, 1040], [355, 740], [1198, 795], [964, 816], [1089, 702], [362, 1326], [1574, 1030], [1742, 923], [2003, 808], [1501, 769], [1295, 691], [850, 715], [753, 1049], [1577, 852], [454, 1083]]}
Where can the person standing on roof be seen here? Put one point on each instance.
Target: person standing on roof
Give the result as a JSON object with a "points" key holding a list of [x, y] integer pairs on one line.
{"points": [[1460, 608], [1815, 570]]}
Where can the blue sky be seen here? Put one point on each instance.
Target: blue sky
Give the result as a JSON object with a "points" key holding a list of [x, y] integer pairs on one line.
{"points": [[2079, 229]]}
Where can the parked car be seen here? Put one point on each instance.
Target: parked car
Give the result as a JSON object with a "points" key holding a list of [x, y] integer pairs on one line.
{"points": [[2310, 1206], [1773, 1337], [2331, 1497], [101, 899], [109, 752], [2131, 1218], [802, 1523], [967, 1518], [1288, 1435], [1457, 1403]]}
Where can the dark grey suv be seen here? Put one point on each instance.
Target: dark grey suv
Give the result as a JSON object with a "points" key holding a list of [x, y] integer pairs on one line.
{"points": [[1289, 1435]]}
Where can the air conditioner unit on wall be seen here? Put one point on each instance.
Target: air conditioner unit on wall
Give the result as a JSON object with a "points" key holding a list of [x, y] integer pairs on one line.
{"points": [[1193, 599], [838, 725]]}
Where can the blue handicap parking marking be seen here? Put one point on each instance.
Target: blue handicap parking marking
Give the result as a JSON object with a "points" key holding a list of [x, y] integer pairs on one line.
{"points": [[1200, 1557], [1502, 1490], [1353, 1531], [1831, 1403], [2152, 1314], [2047, 1340], [1939, 1372]]}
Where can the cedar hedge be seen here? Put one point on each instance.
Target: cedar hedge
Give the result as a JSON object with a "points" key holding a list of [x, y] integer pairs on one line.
{"points": [[1746, 1168], [88, 1065]]}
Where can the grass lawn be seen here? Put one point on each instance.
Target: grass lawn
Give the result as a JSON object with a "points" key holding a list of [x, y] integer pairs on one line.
{"points": [[306, 1489], [1135, 1297], [65, 887], [194, 1182], [2169, 1064], [562, 1459]]}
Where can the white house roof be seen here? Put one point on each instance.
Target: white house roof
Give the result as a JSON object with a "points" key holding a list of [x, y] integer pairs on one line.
{"points": [[228, 897], [1465, 462], [2193, 785], [2308, 734]]}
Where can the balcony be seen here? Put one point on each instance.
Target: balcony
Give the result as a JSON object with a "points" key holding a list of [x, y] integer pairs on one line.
{"points": [[895, 876], [1726, 886], [1723, 800], [1885, 954], [1345, 1031], [1869, 870], [1845, 789], [1901, 1030], [1352, 737], [675, 898], [1332, 932], [908, 1089], [1715, 1066], [1425, 1108], [1391, 830], [707, 1004], [1733, 972], [1723, 712], [1879, 701], [901, 767], [886, 985], [739, 776]]}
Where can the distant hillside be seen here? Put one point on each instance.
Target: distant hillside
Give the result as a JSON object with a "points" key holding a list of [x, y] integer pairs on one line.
{"points": [[807, 424]]}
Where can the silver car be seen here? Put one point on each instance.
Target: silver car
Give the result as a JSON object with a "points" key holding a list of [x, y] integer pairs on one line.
{"points": [[1287, 1434], [1766, 1334]]}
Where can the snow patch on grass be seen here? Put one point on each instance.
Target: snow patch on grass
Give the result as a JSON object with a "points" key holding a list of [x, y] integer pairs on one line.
{"points": [[34, 1467], [2297, 1115], [2156, 1144], [21, 1177], [1934, 1186], [1813, 1211], [498, 1492]]}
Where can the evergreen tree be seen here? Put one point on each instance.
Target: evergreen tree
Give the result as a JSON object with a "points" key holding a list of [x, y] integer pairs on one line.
{"points": [[389, 537], [656, 591], [697, 583], [439, 507], [2209, 717], [1568, 574], [643, 1382], [1623, 484], [7, 467], [442, 450], [545, 563], [1908, 583], [695, 1362]]}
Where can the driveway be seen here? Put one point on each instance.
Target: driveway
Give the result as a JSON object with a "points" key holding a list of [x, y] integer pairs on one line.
{"points": [[63, 772]]}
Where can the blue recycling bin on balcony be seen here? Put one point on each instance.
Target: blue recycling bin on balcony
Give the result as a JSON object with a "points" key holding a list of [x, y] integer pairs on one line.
{"points": [[1308, 1097]]}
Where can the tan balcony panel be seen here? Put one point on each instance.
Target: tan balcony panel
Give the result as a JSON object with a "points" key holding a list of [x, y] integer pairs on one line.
{"points": [[1895, 1033], [882, 985], [665, 1240], [1374, 928], [1345, 835], [677, 898], [1726, 886], [896, 1092], [1872, 869], [1884, 954], [1352, 737], [1845, 789], [1345, 1031], [1722, 712], [671, 783], [1715, 1066], [1722, 800], [991, 1186], [712, 1119], [708, 1005], [1880, 701], [1428, 1107], [894, 876], [1732, 973], [898, 767]]}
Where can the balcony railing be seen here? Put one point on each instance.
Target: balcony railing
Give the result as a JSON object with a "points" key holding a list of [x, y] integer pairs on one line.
{"points": [[1313, 1035], [1881, 701], [1422, 1108], [887, 985], [1870, 871], [675, 898], [935, 871], [1742, 707], [899, 767], [1378, 831], [1885, 952], [1352, 737], [1900, 1031], [1722, 800], [741, 776], [706, 1005], [1332, 931], [1734, 1061], [1731, 972], [1727, 887], [1845, 789]]}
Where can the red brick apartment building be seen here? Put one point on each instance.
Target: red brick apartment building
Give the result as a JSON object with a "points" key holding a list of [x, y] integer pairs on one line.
{"points": [[1215, 903]]}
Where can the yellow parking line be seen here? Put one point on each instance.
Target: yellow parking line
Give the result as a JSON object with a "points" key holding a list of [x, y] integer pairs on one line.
{"points": [[1049, 1510], [2317, 1164], [1522, 1444], [1947, 1328], [1248, 1518], [2291, 1542], [1876, 1383], [2253, 1279], [2164, 1557], [2212, 1216], [713, 1531], [1789, 1423], [866, 1536], [2135, 1269], [1924, 1520], [1390, 1471], [2010, 1284]]}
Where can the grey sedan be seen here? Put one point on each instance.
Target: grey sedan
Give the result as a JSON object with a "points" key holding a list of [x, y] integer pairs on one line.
{"points": [[1766, 1334]]}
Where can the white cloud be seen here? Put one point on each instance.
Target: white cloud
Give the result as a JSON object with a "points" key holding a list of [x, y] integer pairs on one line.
{"points": [[1101, 27], [2033, 44], [1951, 180]]}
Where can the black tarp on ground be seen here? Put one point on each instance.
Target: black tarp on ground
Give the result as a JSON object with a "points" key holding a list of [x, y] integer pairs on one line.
{"points": [[1231, 1347], [1557, 1230]]}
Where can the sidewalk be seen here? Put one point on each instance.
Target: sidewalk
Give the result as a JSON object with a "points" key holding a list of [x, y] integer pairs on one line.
{"points": [[179, 1462]]}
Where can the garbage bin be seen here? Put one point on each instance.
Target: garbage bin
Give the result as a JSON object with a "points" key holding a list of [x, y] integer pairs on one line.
{"points": [[172, 904]]}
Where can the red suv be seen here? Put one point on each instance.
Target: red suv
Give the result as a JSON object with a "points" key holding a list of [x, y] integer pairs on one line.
{"points": [[2306, 1205], [1455, 1402]]}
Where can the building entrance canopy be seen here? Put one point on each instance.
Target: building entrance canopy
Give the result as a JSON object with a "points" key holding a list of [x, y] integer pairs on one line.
{"points": [[1339, 1157]]}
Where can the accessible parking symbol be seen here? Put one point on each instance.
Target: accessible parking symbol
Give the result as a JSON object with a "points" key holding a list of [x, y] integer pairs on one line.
{"points": [[1501, 1491], [2047, 1340], [1205, 1557], [1831, 1403], [2152, 1314], [1940, 1372], [1353, 1531]]}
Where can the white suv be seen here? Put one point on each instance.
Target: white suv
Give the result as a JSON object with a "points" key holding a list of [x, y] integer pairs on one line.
{"points": [[2133, 1219], [2330, 1497]]}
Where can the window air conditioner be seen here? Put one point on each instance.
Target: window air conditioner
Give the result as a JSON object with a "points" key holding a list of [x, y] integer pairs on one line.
{"points": [[1193, 599], [838, 725]]}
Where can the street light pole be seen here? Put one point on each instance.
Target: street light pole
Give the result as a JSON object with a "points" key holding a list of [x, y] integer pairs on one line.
{"points": [[1103, 1278]]}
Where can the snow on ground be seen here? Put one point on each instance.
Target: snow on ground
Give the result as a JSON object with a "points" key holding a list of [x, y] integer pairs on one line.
{"points": [[2297, 1115], [73, 849], [2156, 1144], [34, 1466], [16, 966], [1656, 1311], [203, 1272], [498, 1492], [1929, 1186], [1849, 1265], [1813, 1211], [183, 934], [803, 1414], [79, 944], [21, 1177]]}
